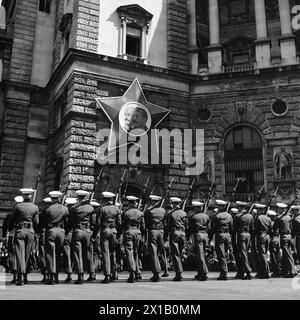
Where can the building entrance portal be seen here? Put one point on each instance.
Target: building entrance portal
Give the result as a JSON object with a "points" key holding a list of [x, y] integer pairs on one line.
{"points": [[243, 159]]}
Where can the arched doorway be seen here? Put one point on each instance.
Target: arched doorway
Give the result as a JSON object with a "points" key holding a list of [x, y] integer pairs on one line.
{"points": [[243, 158]]}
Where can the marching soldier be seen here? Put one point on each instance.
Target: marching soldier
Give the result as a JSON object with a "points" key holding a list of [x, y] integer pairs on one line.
{"points": [[177, 226], [244, 227], [235, 213], [133, 225], [284, 222], [108, 221], [275, 255], [296, 229], [67, 256], [262, 229], [199, 227], [155, 224], [8, 234], [82, 248], [55, 216], [96, 242], [221, 226], [42, 239], [23, 220], [253, 247]]}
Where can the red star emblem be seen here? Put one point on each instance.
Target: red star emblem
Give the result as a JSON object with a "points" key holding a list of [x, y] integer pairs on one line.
{"points": [[131, 114]]}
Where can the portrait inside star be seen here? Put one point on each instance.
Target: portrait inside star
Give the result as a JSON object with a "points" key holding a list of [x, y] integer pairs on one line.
{"points": [[134, 119]]}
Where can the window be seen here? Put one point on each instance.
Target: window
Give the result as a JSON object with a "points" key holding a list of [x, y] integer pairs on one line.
{"points": [[135, 23], [45, 5], [133, 42], [279, 108], [239, 51], [65, 29], [243, 159]]}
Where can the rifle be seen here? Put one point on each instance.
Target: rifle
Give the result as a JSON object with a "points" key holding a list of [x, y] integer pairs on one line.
{"points": [[290, 205], [36, 186], [33, 257], [143, 191], [233, 193], [187, 194], [182, 203], [63, 198], [274, 194], [209, 195], [146, 206], [255, 198], [97, 180], [166, 194], [120, 187]]}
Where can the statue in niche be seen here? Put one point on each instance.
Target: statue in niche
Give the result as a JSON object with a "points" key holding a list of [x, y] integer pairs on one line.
{"points": [[283, 163], [207, 169]]}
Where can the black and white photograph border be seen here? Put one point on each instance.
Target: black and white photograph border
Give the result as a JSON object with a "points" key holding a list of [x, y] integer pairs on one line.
{"points": [[143, 229]]}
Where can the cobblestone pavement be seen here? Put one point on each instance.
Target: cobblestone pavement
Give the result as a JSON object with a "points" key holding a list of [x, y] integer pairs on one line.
{"points": [[255, 289]]}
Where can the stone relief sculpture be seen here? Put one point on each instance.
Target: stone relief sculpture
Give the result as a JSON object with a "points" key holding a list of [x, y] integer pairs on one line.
{"points": [[283, 164]]}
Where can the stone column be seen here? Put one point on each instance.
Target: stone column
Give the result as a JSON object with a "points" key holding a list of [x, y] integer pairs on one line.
{"points": [[262, 43], [287, 38], [192, 38], [124, 31], [214, 49], [144, 44]]}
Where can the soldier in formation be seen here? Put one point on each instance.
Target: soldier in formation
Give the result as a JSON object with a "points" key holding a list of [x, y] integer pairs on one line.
{"points": [[69, 228]]}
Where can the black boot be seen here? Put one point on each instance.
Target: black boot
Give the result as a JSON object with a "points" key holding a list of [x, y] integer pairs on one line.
{"points": [[165, 274], [69, 278], [178, 277], [25, 278], [114, 276], [223, 276], [106, 279], [14, 280], [91, 277], [45, 278], [138, 276], [80, 279], [239, 276], [247, 276], [204, 277], [131, 278], [20, 280], [155, 278], [51, 279], [56, 278]]}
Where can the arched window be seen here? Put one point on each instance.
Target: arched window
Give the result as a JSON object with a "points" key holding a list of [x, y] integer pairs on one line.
{"points": [[243, 159]]}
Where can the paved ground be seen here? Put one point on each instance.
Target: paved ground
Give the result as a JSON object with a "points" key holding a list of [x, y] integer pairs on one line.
{"points": [[189, 289]]}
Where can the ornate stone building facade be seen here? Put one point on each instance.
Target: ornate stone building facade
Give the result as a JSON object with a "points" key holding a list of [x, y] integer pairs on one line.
{"points": [[229, 67]]}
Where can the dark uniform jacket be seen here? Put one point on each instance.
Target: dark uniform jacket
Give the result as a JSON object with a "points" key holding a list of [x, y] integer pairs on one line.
{"points": [[296, 226], [198, 221], [177, 220], [133, 218], [262, 223], [222, 222], [243, 222], [25, 212], [81, 213], [155, 219], [55, 215], [284, 224], [108, 216]]}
